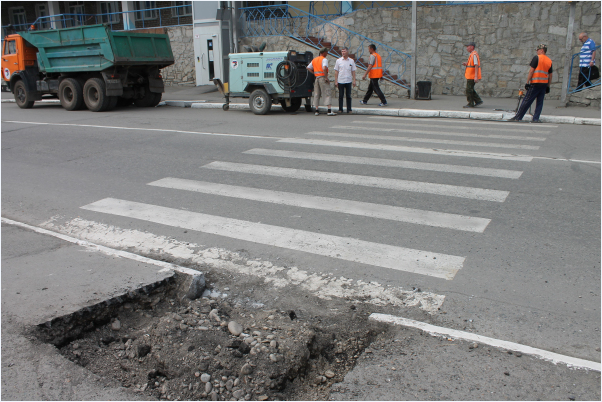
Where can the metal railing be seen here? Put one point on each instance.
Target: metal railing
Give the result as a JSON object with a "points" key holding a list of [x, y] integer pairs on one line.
{"points": [[160, 17], [317, 32], [586, 80]]}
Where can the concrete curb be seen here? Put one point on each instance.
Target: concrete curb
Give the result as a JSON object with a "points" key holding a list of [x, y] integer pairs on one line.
{"points": [[450, 114], [501, 116]]}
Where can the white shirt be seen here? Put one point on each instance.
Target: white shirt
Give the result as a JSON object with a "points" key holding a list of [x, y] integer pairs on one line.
{"points": [[345, 67]]}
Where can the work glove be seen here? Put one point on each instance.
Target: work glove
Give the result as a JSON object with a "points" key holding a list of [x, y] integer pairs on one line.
{"points": [[527, 86], [548, 89]]}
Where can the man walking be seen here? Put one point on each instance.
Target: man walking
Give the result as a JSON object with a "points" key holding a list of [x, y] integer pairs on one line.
{"points": [[472, 73], [319, 68], [344, 76], [540, 78], [587, 59], [375, 72]]}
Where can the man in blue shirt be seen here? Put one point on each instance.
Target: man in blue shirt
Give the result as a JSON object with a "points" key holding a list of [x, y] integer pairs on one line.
{"points": [[587, 59]]}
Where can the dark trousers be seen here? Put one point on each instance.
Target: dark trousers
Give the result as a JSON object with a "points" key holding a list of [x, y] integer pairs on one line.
{"points": [[471, 95], [584, 77], [345, 89], [536, 92], [374, 87]]}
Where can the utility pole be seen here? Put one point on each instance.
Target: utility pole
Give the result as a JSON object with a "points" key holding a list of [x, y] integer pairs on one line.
{"points": [[414, 53], [567, 59]]}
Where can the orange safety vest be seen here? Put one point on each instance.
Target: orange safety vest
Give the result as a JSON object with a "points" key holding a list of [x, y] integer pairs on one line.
{"points": [[541, 75], [377, 69], [470, 66], [317, 63]]}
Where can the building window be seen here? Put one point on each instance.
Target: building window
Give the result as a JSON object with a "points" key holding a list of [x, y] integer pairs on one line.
{"points": [[144, 10], [42, 11], [18, 18], [181, 11], [76, 11], [106, 9]]}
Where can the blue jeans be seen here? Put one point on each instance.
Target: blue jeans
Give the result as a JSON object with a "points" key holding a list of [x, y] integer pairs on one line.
{"points": [[345, 89], [536, 92]]}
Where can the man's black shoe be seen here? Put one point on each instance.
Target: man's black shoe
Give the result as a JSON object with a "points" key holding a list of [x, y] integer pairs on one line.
{"points": [[513, 119], [468, 106], [478, 104], [535, 121]]}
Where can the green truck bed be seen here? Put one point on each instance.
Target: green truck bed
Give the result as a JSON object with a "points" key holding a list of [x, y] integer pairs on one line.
{"points": [[96, 48]]}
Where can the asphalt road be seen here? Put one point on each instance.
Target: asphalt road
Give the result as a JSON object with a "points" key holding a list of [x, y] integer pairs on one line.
{"points": [[506, 227]]}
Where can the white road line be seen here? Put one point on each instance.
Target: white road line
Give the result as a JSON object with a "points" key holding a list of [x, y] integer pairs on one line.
{"points": [[566, 160], [516, 347], [399, 148], [140, 129], [348, 249], [467, 121], [404, 123], [437, 167], [368, 181], [415, 216], [105, 250], [409, 139]]}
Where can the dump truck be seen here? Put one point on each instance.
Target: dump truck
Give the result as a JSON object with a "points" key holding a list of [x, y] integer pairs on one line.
{"points": [[86, 66], [268, 78]]}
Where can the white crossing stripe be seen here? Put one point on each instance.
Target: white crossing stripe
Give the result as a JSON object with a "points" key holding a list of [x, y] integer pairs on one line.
{"points": [[469, 336], [416, 216], [399, 148], [450, 133], [500, 124], [437, 167], [368, 181], [429, 140], [344, 248]]}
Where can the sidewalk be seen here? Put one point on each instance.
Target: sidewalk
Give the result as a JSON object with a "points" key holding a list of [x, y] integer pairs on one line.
{"points": [[440, 106]]}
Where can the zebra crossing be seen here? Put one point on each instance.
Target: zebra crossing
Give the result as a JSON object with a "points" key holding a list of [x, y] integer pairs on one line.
{"points": [[331, 149]]}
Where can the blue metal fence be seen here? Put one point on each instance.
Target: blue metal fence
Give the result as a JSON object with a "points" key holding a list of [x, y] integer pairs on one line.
{"points": [[587, 81], [142, 19], [317, 32]]}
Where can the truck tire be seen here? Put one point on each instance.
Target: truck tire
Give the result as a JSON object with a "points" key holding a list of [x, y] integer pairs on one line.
{"points": [[112, 103], [295, 105], [124, 102], [22, 95], [71, 94], [95, 95], [260, 102], [150, 99]]}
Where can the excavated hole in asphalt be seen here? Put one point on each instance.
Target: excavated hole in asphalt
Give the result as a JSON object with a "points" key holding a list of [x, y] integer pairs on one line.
{"points": [[164, 347]]}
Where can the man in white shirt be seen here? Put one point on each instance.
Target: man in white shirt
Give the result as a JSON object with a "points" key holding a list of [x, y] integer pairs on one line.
{"points": [[344, 76]]}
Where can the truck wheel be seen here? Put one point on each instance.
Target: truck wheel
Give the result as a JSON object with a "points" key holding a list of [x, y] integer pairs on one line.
{"points": [[71, 94], [112, 103], [21, 96], [150, 99], [260, 102], [95, 95], [295, 105]]}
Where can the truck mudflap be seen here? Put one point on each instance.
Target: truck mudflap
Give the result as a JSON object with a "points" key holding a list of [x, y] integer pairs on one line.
{"points": [[156, 85], [114, 87]]}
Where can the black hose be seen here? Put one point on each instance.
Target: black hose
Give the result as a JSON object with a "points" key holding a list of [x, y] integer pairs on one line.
{"points": [[287, 77]]}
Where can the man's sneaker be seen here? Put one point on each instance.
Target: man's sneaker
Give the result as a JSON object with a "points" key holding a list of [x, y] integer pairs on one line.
{"points": [[348, 112], [535, 121], [317, 113], [363, 102], [383, 104], [468, 106], [340, 111], [478, 104], [332, 114], [513, 119]]}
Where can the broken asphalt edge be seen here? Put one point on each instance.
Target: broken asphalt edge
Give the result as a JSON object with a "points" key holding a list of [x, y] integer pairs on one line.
{"points": [[190, 283]]}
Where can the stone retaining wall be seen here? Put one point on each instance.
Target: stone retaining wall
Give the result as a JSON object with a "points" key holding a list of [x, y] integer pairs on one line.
{"points": [[588, 97], [182, 72], [506, 34]]}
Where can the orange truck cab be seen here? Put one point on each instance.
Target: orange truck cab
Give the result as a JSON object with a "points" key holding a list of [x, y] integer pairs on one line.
{"points": [[17, 55]]}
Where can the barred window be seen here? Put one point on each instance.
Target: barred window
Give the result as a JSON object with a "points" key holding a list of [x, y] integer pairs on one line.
{"points": [[184, 8]]}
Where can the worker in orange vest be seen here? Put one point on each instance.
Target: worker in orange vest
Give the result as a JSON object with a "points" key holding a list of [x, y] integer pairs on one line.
{"points": [[319, 68], [472, 73], [538, 84], [375, 72]]}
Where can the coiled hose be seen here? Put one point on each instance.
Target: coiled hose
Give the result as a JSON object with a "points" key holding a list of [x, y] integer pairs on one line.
{"points": [[287, 74]]}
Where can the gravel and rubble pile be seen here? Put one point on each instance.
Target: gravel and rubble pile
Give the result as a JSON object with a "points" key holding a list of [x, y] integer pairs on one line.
{"points": [[220, 349]]}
